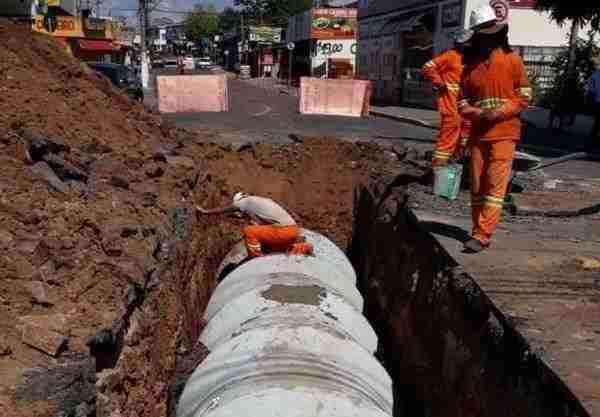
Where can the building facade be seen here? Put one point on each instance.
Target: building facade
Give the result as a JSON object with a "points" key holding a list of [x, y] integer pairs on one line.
{"points": [[325, 42], [396, 37]]}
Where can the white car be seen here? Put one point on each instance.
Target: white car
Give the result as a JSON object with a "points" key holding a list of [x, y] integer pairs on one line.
{"points": [[204, 63]]}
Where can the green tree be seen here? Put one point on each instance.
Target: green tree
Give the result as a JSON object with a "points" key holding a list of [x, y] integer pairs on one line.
{"points": [[563, 10], [202, 21], [272, 11], [579, 13], [574, 98], [229, 19]]}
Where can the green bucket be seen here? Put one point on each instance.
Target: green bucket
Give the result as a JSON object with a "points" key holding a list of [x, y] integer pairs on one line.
{"points": [[447, 180]]}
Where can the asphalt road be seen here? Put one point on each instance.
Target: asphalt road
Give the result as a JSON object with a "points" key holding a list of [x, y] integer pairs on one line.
{"points": [[267, 114], [261, 112]]}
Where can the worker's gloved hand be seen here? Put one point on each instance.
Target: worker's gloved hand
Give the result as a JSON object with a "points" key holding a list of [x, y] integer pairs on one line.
{"points": [[440, 89], [491, 116], [472, 112]]}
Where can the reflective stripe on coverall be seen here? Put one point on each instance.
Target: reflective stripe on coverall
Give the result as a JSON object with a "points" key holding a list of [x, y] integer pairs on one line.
{"points": [[499, 84], [446, 71]]}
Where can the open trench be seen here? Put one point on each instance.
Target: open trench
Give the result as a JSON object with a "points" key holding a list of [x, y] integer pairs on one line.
{"points": [[447, 348]]}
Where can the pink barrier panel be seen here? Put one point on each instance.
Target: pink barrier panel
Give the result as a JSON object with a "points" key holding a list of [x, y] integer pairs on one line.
{"points": [[192, 93], [335, 97]]}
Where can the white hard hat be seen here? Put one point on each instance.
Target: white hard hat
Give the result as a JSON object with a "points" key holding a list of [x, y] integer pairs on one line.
{"points": [[463, 36], [482, 16], [239, 196]]}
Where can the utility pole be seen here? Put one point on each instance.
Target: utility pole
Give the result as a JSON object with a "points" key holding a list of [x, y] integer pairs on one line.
{"points": [[143, 28], [243, 33]]}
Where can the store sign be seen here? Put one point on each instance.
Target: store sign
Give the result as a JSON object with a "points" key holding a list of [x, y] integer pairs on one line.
{"points": [[334, 23], [265, 34], [335, 48], [501, 8], [451, 15], [95, 24], [62, 26], [53, 3], [524, 4]]}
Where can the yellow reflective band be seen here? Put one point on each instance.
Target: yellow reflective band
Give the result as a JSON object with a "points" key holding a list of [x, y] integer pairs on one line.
{"points": [[493, 205], [491, 103], [496, 199], [451, 86], [495, 202], [525, 92]]}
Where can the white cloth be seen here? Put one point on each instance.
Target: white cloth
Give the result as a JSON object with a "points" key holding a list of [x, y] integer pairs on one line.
{"points": [[264, 211]]}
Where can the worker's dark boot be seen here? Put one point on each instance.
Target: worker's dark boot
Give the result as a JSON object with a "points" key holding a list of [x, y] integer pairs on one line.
{"points": [[474, 246]]}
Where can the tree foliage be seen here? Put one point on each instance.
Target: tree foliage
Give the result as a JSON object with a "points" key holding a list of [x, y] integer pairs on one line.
{"points": [[273, 11], [229, 19], [202, 21], [574, 99], [582, 11]]}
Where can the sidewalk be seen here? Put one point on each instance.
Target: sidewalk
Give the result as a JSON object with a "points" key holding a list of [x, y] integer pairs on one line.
{"points": [[419, 117], [536, 134]]}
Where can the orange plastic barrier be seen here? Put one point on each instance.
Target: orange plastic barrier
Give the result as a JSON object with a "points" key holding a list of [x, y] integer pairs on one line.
{"points": [[192, 93], [335, 97]]}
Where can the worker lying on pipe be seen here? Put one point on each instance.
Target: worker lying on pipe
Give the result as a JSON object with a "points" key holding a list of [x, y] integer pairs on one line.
{"points": [[272, 228]]}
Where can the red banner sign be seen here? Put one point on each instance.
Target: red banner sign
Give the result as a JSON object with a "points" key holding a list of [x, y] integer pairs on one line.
{"points": [[334, 23]]}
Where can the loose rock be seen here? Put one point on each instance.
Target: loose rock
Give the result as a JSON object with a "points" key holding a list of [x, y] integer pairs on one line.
{"points": [[39, 293], [45, 333], [43, 171]]}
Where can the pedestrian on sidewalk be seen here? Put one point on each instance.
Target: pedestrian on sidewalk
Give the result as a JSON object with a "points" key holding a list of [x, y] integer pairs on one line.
{"points": [[494, 91], [272, 229], [445, 73], [594, 101]]}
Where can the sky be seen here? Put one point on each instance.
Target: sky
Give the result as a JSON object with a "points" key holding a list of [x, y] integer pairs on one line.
{"points": [[166, 4]]}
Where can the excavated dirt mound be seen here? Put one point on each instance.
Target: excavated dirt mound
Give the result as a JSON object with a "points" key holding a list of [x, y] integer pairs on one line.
{"points": [[100, 248]]}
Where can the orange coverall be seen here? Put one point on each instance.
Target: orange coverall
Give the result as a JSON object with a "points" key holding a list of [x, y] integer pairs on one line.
{"points": [[273, 238], [499, 84], [446, 71]]}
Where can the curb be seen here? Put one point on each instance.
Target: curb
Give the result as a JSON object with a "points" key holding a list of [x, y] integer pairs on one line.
{"points": [[531, 211], [405, 119]]}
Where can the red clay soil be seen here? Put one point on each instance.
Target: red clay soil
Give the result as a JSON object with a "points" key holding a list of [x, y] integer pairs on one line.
{"points": [[88, 221]]}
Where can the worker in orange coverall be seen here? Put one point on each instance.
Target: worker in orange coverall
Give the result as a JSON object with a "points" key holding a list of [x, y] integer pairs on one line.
{"points": [[273, 229], [445, 74], [494, 91]]}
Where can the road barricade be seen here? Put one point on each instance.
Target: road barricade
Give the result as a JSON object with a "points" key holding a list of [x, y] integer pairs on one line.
{"points": [[192, 93], [335, 97]]}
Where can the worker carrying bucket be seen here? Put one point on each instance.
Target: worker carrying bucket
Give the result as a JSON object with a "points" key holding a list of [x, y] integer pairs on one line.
{"points": [[494, 91], [272, 229]]}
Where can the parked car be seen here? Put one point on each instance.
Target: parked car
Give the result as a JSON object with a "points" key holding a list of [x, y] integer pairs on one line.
{"points": [[204, 62], [170, 63], [122, 77]]}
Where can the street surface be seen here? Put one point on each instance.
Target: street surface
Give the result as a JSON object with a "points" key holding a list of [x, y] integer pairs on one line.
{"points": [[269, 115], [542, 275]]}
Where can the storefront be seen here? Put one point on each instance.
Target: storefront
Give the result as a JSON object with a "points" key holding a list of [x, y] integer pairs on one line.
{"points": [[88, 39], [325, 40]]}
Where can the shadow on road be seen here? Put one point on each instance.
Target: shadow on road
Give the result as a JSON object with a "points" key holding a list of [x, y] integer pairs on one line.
{"points": [[450, 231]]}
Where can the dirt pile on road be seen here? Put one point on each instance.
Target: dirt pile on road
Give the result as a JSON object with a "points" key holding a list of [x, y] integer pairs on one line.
{"points": [[98, 236]]}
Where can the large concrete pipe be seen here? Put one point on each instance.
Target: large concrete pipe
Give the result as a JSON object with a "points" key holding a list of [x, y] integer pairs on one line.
{"points": [[287, 338]]}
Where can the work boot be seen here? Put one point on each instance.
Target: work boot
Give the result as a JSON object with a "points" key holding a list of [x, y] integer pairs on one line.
{"points": [[474, 246]]}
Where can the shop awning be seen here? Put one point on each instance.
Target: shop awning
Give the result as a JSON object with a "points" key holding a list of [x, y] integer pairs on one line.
{"points": [[98, 45], [62, 42]]}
